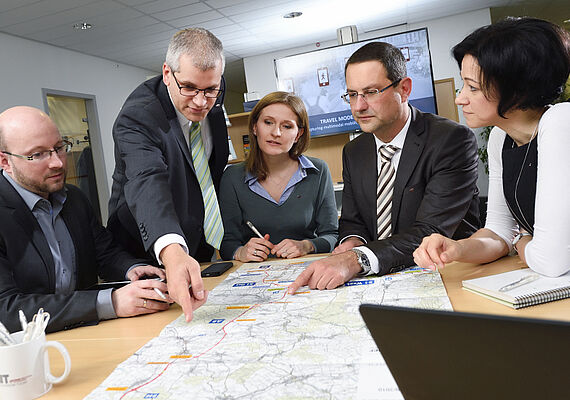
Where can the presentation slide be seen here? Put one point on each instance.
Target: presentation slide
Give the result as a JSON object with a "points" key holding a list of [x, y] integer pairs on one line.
{"points": [[318, 78]]}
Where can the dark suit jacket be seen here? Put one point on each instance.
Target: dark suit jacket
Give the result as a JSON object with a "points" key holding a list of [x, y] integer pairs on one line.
{"points": [[155, 189], [434, 192], [27, 270]]}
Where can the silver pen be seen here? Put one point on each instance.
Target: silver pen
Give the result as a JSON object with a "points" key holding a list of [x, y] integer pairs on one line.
{"points": [[5, 337], [23, 320], [157, 290], [522, 281], [254, 229]]}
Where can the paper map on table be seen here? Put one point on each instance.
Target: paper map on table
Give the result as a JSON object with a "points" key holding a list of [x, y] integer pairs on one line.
{"points": [[252, 340]]}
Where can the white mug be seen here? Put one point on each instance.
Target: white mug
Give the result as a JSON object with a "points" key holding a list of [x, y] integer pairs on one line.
{"points": [[24, 368]]}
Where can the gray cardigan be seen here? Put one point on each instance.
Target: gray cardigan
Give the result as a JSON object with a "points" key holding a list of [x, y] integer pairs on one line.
{"points": [[309, 212]]}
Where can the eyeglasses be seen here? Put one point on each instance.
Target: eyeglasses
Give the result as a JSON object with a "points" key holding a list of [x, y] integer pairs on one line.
{"points": [[61, 150], [190, 91], [368, 94]]}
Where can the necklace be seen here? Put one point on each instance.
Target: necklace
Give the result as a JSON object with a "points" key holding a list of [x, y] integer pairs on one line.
{"points": [[527, 227]]}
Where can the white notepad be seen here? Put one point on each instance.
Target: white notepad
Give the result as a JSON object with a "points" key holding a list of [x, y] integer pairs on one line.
{"points": [[520, 288]]}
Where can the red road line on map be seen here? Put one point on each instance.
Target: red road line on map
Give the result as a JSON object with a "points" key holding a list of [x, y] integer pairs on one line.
{"points": [[270, 281], [208, 350], [146, 383]]}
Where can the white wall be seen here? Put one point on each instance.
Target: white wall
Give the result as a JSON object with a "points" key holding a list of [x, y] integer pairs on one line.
{"points": [[444, 33], [29, 66]]}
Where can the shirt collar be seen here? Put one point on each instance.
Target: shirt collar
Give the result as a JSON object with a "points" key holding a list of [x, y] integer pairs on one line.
{"points": [[185, 122], [31, 199], [304, 165], [400, 138], [182, 120]]}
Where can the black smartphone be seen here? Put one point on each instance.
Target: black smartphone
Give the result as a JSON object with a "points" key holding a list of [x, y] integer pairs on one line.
{"points": [[217, 269]]}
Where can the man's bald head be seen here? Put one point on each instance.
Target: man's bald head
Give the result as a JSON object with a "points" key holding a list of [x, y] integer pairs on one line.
{"points": [[16, 120], [24, 133]]}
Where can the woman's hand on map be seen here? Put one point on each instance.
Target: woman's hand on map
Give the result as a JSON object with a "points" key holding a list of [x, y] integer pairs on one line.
{"points": [[256, 249], [289, 248], [348, 244], [436, 250]]}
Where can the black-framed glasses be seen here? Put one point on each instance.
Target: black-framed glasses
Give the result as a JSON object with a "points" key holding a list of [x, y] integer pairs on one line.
{"points": [[190, 91], [368, 94], [61, 150]]}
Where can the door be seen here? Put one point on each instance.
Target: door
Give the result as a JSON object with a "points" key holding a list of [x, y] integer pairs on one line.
{"points": [[70, 116]]}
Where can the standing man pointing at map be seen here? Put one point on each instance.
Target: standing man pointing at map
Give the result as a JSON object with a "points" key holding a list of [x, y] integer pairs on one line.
{"points": [[171, 148], [408, 175]]}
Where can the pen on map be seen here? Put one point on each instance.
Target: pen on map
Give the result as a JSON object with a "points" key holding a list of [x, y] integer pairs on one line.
{"points": [[254, 229], [522, 281]]}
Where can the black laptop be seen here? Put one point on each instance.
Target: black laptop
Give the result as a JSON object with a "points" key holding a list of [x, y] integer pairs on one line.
{"points": [[438, 355]]}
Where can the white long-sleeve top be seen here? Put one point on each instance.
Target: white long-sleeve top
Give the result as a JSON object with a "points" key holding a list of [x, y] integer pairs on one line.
{"points": [[548, 252]]}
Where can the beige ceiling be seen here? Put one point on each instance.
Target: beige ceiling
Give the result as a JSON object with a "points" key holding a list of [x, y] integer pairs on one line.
{"points": [[136, 32]]}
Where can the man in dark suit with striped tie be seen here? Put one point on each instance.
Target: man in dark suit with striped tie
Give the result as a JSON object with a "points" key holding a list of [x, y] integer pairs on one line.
{"points": [[410, 174], [171, 148]]}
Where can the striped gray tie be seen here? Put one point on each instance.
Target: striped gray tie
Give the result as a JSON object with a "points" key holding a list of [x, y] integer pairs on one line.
{"points": [[384, 191]]}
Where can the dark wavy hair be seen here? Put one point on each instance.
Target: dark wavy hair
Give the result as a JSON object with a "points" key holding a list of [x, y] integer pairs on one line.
{"points": [[524, 62], [255, 163]]}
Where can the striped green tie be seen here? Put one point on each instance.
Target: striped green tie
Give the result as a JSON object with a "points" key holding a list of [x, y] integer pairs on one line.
{"points": [[213, 227]]}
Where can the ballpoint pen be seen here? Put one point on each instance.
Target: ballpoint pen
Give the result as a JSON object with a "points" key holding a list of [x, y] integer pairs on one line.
{"points": [[522, 281], [5, 337], [254, 229], [23, 320], [158, 291]]}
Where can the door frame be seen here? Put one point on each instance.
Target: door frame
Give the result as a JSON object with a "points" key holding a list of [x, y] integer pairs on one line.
{"points": [[95, 141]]}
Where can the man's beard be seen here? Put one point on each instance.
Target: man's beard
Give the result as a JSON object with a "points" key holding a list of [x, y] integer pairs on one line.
{"points": [[42, 187]]}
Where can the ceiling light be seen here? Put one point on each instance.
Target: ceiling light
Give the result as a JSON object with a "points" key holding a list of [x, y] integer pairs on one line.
{"points": [[293, 14], [83, 26]]}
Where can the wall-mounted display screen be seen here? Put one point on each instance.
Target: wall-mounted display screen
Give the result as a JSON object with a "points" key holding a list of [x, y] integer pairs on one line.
{"points": [[317, 77]]}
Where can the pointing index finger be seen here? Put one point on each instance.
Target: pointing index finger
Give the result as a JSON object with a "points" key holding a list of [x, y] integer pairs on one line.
{"points": [[302, 280]]}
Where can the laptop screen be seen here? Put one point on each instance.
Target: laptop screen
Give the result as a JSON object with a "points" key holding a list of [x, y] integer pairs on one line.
{"points": [[453, 355]]}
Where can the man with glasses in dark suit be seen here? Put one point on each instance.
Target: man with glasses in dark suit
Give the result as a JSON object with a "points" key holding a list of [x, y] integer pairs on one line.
{"points": [[52, 247], [410, 174], [171, 147]]}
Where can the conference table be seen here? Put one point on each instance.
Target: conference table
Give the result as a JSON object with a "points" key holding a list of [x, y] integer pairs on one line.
{"points": [[96, 350]]}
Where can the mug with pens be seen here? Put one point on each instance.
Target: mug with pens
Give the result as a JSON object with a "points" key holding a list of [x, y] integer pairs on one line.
{"points": [[24, 363]]}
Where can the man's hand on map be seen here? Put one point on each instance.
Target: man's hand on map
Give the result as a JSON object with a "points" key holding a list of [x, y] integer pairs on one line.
{"points": [[348, 244], [256, 249], [139, 297], [183, 271], [328, 273], [289, 248]]}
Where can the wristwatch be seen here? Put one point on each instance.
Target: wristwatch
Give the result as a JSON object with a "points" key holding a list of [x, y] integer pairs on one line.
{"points": [[363, 261], [519, 237]]}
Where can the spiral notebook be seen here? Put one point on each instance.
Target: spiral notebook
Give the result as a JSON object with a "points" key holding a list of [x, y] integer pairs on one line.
{"points": [[520, 288]]}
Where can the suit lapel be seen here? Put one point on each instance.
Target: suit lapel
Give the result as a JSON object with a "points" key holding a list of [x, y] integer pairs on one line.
{"points": [[174, 125], [413, 148], [176, 130], [24, 217]]}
